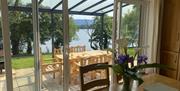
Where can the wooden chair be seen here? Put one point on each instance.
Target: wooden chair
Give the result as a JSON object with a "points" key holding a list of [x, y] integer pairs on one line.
{"points": [[74, 70], [50, 68], [94, 85], [57, 51], [77, 48]]}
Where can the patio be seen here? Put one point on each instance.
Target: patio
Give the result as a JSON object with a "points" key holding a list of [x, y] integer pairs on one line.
{"points": [[23, 80]]}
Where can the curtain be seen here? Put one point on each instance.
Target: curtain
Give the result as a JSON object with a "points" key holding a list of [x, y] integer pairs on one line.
{"points": [[150, 30]]}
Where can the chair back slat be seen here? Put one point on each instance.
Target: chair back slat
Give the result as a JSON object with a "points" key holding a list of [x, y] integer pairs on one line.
{"points": [[57, 51], [77, 48], [94, 83]]}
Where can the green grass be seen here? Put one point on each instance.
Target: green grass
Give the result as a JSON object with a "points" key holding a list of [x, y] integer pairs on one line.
{"points": [[26, 61]]}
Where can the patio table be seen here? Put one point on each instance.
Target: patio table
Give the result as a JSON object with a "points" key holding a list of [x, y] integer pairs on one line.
{"points": [[85, 54]]}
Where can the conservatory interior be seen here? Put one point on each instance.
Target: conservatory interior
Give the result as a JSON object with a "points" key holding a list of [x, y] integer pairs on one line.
{"points": [[125, 38]]}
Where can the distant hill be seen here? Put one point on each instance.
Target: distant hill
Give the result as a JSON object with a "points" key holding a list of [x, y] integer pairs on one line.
{"points": [[83, 22]]}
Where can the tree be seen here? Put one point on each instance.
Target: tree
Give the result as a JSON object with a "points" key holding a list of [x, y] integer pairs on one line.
{"points": [[130, 26], [100, 39], [15, 19]]}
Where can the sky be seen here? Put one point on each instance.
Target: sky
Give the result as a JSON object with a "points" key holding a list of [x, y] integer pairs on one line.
{"points": [[88, 17]]}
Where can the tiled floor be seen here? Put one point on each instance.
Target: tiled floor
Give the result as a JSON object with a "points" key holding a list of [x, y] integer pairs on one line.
{"points": [[23, 80]]}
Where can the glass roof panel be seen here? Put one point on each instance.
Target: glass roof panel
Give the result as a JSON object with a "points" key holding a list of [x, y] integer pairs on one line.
{"points": [[50, 3], [85, 5], [59, 7], [73, 2], [108, 2], [105, 10]]}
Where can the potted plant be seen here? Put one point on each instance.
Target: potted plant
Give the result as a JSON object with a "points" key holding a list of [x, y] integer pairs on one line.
{"points": [[124, 64]]}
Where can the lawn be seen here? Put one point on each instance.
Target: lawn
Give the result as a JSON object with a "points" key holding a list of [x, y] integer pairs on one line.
{"points": [[26, 61]]}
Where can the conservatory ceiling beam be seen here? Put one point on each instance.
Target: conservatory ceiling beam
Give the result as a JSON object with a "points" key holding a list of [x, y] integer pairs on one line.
{"points": [[77, 5], [103, 8], [40, 1], [93, 5], [56, 6], [29, 9]]}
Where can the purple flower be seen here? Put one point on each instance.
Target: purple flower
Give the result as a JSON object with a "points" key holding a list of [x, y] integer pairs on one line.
{"points": [[142, 58], [122, 58]]}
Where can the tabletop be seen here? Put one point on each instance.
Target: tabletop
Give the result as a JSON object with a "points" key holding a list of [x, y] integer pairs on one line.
{"points": [[84, 54], [150, 80]]}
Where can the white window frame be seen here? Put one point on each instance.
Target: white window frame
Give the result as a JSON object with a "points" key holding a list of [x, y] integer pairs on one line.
{"points": [[6, 44]]}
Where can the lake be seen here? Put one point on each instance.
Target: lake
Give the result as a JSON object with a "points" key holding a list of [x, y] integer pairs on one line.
{"points": [[83, 39]]}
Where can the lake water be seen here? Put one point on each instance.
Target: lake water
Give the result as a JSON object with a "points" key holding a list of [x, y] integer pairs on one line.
{"points": [[83, 39]]}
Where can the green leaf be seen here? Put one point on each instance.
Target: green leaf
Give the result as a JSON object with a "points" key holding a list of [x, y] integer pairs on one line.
{"points": [[117, 69]]}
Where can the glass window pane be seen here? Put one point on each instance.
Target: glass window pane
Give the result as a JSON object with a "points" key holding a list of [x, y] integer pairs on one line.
{"points": [[51, 67], [21, 51], [130, 24]]}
